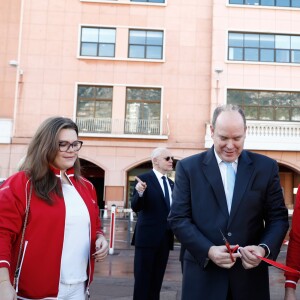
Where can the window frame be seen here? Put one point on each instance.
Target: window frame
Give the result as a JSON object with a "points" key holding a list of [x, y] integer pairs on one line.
{"points": [[258, 3], [237, 50], [143, 101], [104, 124], [126, 2], [148, 1], [146, 45], [98, 43]]}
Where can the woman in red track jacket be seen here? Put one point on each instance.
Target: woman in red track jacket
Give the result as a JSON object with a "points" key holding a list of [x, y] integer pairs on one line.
{"points": [[293, 252], [51, 161]]}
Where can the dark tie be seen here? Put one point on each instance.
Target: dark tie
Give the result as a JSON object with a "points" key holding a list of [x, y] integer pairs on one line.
{"points": [[230, 175], [167, 196]]}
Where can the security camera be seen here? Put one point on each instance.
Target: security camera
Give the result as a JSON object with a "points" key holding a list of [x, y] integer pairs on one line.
{"points": [[13, 63]]}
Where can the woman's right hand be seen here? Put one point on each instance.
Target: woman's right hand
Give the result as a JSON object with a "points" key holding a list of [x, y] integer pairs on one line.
{"points": [[7, 291], [290, 294]]}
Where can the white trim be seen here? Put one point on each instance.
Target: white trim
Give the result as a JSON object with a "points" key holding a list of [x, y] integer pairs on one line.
{"points": [[291, 281], [4, 261]]}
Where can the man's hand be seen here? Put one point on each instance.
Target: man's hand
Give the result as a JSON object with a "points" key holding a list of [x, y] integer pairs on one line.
{"points": [[101, 248], [249, 259], [140, 186], [221, 257]]}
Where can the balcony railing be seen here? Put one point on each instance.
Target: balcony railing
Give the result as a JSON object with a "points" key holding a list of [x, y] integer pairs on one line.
{"points": [[94, 125], [109, 126], [283, 136]]}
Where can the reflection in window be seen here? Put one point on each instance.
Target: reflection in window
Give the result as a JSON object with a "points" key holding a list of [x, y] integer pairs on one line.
{"points": [[267, 2], [251, 54], [98, 42], [267, 55], [143, 106], [264, 47], [282, 56], [267, 105], [295, 56], [146, 44]]}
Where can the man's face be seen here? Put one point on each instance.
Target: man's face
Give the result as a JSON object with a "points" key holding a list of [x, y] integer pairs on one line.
{"points": [[229, 135], [164, 162]]}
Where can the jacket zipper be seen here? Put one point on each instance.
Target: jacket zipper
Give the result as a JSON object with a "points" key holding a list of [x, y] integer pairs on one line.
{"points": [[20, 267]]}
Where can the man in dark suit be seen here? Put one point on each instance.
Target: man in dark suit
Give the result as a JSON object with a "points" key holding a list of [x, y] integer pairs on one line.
{"points": [[153, 238], [255, 217]]}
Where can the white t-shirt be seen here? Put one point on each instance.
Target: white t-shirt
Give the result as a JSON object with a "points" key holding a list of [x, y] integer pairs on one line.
{"points": [[76, 247]]}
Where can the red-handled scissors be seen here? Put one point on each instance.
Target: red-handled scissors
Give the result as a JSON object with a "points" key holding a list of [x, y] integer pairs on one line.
{"points": [[230, 250]]}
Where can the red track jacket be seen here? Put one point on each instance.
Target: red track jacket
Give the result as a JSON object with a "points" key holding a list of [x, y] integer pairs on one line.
{"points": [[41, 262], [293, 253]]}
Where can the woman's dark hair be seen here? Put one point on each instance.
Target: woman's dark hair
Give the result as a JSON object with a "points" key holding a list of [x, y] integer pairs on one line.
{"points": [[41, 153]]}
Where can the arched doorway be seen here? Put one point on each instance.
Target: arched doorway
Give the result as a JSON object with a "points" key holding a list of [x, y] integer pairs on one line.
{"points": [[138, 170], [289, 180], [96, 176]]}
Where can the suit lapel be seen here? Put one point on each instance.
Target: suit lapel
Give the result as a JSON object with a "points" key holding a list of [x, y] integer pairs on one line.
{"points": [[243, 176], [157, 186], [171, 183], [212, 172]]}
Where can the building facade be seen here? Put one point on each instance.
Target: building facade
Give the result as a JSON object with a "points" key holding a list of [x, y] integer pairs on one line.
{"points": [[136, 75]]}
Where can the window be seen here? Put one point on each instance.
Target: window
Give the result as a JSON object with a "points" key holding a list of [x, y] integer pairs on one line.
{"points": [[94, 108], [98, 42], [267, 105], [146, 44], [152, 1], [264, 47], [143, 107], [279, 3]]}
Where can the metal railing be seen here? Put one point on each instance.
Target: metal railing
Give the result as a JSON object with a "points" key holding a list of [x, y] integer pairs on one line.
{"points": [[94, 125], [125, 221], [142, 127], [274, 130], [262, 135], [124, 227], [121, 126]]}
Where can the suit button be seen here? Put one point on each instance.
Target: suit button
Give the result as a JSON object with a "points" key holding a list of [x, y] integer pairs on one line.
{"points": [[229, 233]]}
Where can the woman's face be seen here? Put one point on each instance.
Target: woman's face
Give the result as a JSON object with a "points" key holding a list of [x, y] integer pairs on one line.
{"points": [[66, 159]]}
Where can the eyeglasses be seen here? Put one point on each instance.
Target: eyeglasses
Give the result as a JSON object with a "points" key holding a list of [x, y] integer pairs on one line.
{"points": [[169, 157], [64, 146]]}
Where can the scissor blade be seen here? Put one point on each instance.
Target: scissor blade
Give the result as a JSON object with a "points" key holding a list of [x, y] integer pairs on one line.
{"points": [[223, 236]]}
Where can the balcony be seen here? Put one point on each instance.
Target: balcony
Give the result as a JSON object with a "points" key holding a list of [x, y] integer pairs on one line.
{"points": [[277, 136], [126, 128]]}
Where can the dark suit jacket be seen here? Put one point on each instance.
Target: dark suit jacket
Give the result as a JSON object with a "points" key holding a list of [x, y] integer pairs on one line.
{"points": [[152, 209], [199, 211]]}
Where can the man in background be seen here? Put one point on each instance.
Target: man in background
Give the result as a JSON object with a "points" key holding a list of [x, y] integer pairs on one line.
{"points": [[153, 238]]}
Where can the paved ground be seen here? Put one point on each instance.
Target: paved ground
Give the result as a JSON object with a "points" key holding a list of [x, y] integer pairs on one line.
{"points": [[114, 277]]}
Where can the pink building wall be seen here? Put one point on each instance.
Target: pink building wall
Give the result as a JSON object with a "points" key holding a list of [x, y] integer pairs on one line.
{"points": [[195, 45]]}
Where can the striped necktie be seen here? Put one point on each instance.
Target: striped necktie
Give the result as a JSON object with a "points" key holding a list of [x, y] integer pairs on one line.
{"points": [[167, 196]]}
